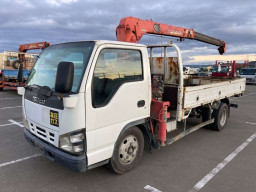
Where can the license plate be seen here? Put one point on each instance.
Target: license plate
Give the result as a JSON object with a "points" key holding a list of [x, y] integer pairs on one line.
{"points": [[54, 118]]}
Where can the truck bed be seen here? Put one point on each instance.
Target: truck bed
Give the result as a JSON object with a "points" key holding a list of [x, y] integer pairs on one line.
{"points": [[199, 91], [12, 73], [206, 90]]}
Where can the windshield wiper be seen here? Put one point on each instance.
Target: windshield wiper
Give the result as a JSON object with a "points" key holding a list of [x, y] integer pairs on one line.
{"points": [[30, 87]]}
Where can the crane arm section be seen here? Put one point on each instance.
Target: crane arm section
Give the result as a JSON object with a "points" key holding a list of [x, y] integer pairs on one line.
{"points": [[30, 46], [25, 47], [131, 29]]}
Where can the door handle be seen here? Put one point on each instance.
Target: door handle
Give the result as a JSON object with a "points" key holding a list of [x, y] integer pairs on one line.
{"points": [[141, 103]]}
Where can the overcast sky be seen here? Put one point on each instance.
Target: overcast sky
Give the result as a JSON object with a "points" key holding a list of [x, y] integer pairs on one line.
{"points": [[55, 21]]}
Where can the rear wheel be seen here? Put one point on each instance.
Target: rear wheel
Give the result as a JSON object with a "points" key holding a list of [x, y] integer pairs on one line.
{"points": [[128, 151], [220, 117]]}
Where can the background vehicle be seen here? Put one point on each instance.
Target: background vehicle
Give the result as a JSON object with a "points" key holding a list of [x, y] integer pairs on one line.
{"points": [[91, 103], [9, 63], [190, 71], [205, 71], [252, 64], [11, 60], [228, 68], [249, 74], [225, 71]]}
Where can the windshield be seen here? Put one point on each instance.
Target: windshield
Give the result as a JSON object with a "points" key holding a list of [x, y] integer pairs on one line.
{"points": [[44, 71], [223, 69], [215, 69], [203, 70], [248, 72], [10, 58]]}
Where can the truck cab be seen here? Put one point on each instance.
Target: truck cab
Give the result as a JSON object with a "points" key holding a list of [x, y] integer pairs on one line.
{"points": [[249, 74], [221, 71], [186, 70], [76, 119], [204, 71]]}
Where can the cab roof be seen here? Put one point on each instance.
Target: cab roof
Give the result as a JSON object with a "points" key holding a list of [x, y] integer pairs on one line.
{"points": [[100, 42]]}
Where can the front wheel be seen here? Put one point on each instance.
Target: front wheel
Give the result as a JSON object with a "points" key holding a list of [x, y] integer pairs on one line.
{"points": [[128, 151]]}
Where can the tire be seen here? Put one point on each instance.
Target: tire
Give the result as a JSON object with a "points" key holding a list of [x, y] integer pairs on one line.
{"points": [[128, 151], [220, 117], [16, 64]]}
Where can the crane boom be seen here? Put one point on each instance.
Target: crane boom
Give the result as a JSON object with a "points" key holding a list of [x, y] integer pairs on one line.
{"points": [[25, 47], [131, 29], [30, 46]]}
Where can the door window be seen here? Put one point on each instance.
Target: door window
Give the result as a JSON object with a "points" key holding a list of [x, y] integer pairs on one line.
{"points": [[114, 67]]}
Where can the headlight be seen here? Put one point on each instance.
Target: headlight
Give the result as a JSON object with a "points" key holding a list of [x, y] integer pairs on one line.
{"points": [[65, 144], [73, 142], [78, 148], [75, 138]]}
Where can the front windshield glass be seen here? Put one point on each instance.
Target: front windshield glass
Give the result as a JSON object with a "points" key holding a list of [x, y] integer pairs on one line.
{"points": [[248, 72], [223, 69], [44, 71], [203, 70], [215, 69]]}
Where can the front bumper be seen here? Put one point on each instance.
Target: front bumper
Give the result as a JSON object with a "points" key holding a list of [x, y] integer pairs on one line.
{"points": [[75, 163]]}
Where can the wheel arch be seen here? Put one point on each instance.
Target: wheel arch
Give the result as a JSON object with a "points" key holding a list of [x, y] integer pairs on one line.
{"points": [[226, 100], [142, 126]]}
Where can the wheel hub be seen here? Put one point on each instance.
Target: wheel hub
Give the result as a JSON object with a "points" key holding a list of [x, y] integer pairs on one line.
{"points": [[223, 117], [128, 149]]}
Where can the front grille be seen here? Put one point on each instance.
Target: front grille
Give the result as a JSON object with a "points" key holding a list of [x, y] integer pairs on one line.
{"points": [[42, 133]]}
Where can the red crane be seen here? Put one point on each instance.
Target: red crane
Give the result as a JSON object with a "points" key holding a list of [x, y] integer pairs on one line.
{"points": [[39, 45], [131, 29], [25, 47]]}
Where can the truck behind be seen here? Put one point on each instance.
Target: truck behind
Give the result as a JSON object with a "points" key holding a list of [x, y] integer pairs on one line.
{"points": [[249, 74], [10, 61]]}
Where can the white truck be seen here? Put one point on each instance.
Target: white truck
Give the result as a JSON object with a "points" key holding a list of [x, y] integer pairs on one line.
{"points": [[249, 74], [91, 103], [190, 71]]}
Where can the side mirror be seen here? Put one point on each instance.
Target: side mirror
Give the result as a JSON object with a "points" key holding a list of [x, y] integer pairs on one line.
{"points": [[64, 77], [20, 73]]}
